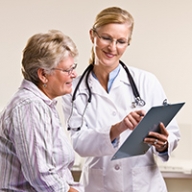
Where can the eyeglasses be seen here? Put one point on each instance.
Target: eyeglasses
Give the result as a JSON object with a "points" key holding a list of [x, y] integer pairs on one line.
{"points": [[107, 40], [69, 71]]}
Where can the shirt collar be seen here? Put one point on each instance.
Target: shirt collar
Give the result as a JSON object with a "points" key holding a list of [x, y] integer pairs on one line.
{"points": [[36, 91], [112, 75]]}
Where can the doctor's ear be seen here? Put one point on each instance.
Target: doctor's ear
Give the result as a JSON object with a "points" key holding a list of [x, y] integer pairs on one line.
{"points": [[91, 34]]}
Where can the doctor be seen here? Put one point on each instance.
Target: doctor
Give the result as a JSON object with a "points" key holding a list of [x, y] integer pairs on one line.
{"points": [[105, 112]]}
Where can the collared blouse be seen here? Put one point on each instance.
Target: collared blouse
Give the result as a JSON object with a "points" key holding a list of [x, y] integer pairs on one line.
{"points": [[35, 153]]}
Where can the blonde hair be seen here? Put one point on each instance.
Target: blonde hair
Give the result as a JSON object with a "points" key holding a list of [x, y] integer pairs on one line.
{"points": [[46, 50], [112, 15]]}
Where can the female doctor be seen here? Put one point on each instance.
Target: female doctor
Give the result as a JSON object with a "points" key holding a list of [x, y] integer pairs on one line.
{"points": [[104, 112]]}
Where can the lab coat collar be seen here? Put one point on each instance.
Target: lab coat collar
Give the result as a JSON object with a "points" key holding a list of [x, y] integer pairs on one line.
{"points": [[122, 77], [95, 85]]}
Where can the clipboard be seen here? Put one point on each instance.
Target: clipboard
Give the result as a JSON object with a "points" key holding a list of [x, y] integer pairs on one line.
{"points": [[134, 144]]}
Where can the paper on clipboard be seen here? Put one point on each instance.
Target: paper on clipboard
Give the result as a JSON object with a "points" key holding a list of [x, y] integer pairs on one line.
{"points": [[134, 144]]}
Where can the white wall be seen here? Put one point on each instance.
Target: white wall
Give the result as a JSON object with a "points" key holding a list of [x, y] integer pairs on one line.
{"points": [[161, 40], [161, 43]]}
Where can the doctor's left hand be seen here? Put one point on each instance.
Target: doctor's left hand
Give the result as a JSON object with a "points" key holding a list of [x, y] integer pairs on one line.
{"points": [[158, 140]]}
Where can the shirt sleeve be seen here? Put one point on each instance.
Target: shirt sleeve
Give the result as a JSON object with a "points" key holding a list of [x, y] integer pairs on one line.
{"points": [[33, 141]]}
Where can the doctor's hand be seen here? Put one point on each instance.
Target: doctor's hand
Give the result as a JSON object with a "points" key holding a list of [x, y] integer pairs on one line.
{"points": [[132, 119], [158, 140], [129, 122]]}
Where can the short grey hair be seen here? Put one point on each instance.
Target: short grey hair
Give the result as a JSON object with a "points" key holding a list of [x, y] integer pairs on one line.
{"points": [[46, 50]]}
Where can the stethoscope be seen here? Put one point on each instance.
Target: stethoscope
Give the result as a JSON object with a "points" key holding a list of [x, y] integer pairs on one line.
{"points": [[137, 101]]}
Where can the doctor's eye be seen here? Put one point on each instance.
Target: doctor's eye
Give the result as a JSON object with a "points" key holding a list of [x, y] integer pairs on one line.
{"points": [[107, 38], [121, 41]]}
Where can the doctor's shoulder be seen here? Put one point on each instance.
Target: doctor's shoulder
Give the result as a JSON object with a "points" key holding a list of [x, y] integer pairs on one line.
{"points": [[140, 75]]}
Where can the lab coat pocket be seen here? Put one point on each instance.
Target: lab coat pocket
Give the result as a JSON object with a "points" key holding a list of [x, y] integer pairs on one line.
{"points": [[92, 179], [148, 179]]}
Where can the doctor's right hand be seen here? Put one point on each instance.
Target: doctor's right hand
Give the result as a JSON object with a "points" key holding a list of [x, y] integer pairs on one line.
{"points": [[129, 122], [132, 120]]}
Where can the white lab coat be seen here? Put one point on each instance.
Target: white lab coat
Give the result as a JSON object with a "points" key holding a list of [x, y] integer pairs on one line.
{"points": [[133, 174]]}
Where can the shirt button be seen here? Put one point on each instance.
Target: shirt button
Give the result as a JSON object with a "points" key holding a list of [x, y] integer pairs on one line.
{"points": [[114, 113], [117, 167]]}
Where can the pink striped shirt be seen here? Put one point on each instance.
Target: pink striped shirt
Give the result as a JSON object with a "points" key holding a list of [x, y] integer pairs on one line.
{"points": [[35, 154]]}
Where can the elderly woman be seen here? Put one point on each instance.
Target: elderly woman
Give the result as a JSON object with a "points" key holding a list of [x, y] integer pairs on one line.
{"points": [[35, 154]]}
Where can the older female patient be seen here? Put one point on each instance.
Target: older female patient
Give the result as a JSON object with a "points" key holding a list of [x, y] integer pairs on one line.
{"points": [[35, 154]]}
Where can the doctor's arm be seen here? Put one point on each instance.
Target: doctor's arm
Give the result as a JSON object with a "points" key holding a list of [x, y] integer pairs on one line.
{"points": [[89, 134], [167, 140], [98, 137]]}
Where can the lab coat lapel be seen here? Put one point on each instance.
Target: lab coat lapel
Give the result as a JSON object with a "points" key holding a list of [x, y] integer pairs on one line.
{"points": [[121, 78], [97, 89]]}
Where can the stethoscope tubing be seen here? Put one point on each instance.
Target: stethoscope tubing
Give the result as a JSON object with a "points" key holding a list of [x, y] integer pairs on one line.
{"points": [[132, 82], [87, 70], [138, 100]]}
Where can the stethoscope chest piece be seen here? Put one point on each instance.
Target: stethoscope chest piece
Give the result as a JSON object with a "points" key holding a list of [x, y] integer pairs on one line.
{"points": [[138, 102]]}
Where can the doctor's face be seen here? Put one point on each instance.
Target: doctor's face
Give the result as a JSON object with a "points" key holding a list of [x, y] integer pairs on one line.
{"points": [[110, 42]]}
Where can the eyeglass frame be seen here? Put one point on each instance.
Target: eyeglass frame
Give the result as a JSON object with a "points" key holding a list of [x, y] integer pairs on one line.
{"points": [[111, 40], [69, 71]]}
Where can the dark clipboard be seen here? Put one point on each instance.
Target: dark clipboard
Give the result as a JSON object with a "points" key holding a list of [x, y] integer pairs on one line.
{"points": [[134, 144]]}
